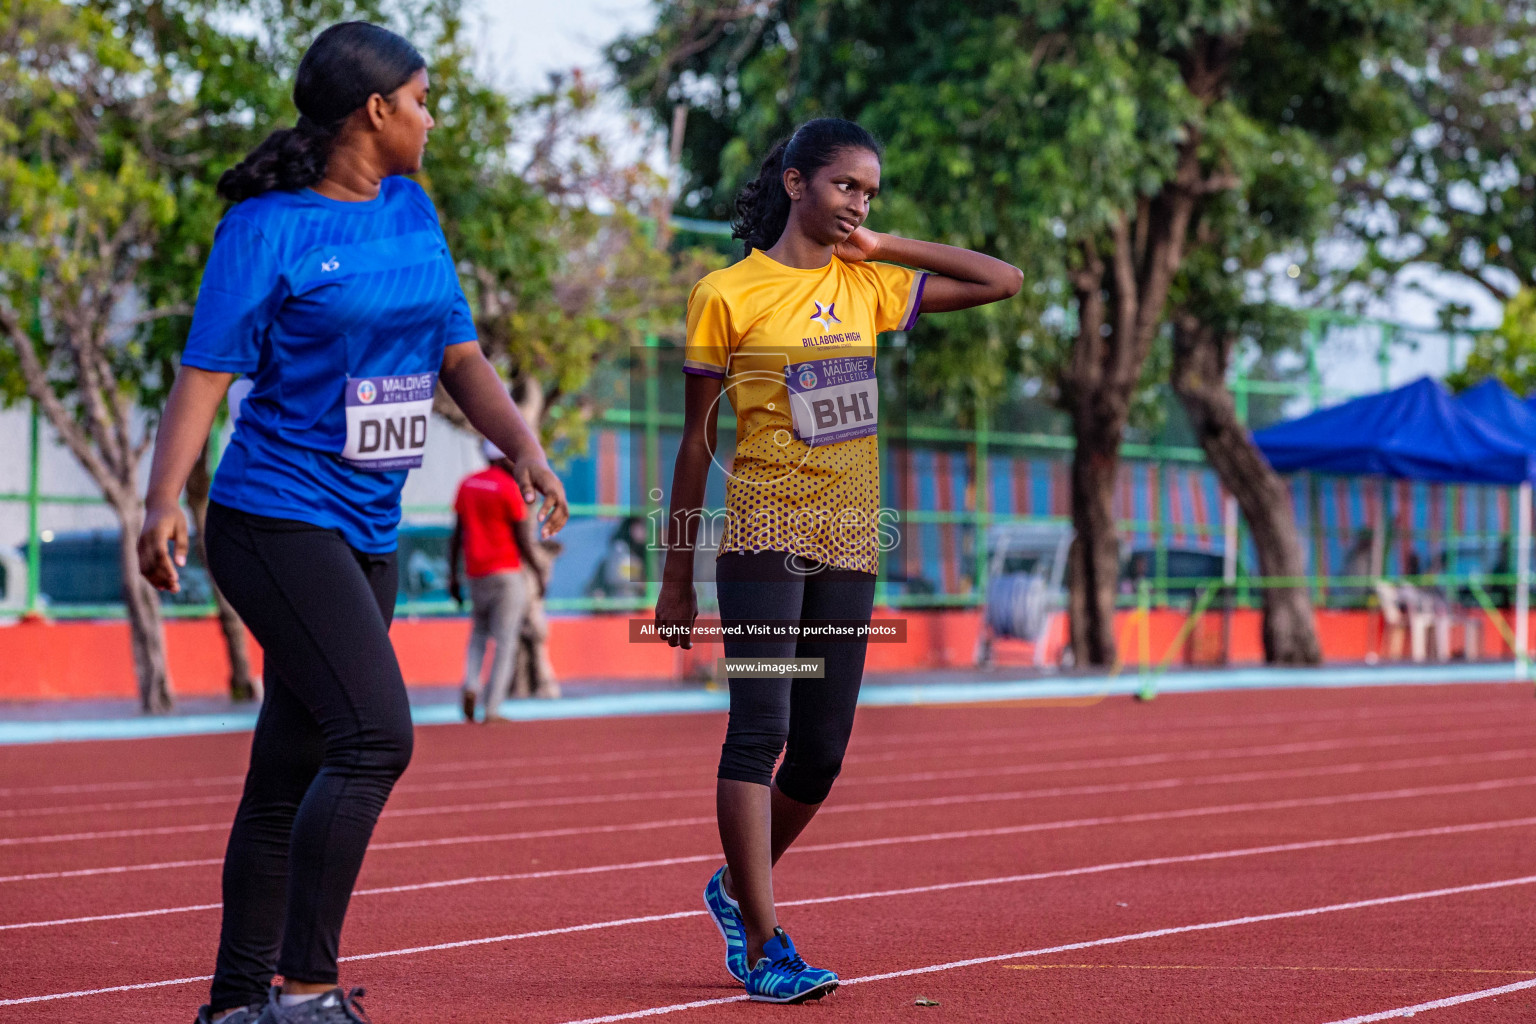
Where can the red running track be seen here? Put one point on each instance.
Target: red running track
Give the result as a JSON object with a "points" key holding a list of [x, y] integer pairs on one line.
{"points": [[1298, 856]]}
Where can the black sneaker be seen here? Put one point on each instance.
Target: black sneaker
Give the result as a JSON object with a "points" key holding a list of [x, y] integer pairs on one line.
{"points": [[246, 1015], [467, 703], [334, 1007]]}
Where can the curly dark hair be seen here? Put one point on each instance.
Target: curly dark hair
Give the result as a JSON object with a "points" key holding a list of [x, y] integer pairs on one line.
{"points": [[346, 64]]}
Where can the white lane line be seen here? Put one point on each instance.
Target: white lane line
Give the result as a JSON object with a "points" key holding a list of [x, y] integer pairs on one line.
{"points": [[928, 750], [463, 785], [460, 786], [1191, 756], [994, 771], [161, 912], [1157, 933], [435, 810], [115, 869], [856, 844], [1055, 741], [445, 766], [121, 787], [1437, 1004], [1228, 778], [561, 801], [103, 991], [1150, 785], [127, 805], [119, 833], [883, 805], [972, 883]]}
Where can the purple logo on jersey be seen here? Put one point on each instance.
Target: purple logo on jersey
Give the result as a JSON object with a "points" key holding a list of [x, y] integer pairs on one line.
{"points": [[825, 315]]}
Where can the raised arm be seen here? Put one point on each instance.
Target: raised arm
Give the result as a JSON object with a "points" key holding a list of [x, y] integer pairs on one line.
{"points": [[960, 278], [677, 605], [472, 382], [184, 426]]}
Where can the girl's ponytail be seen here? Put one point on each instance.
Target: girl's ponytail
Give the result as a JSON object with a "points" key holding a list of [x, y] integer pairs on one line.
{"points": [[289, 158], [762, 205]]}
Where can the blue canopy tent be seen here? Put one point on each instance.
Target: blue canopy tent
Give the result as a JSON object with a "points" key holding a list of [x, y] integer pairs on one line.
{"points": [[1419, 432], [1497, 406], [1414, 432]]}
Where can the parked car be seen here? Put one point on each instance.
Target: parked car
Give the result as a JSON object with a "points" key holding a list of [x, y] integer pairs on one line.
{"points": [[423, 561], [83, 569], [13, 581], [1182, 563]]}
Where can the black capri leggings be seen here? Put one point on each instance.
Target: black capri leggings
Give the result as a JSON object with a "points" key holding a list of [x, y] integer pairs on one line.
{"points": [[813, 717], [333, 736]]}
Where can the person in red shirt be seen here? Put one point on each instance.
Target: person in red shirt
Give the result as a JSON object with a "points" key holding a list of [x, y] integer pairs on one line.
{"points": [[495, 535]]}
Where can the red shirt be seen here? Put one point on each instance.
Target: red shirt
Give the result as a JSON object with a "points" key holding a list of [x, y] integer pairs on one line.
{"points": [[488, 504]]}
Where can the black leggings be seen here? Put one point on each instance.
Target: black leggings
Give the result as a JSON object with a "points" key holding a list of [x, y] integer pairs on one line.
{"points": [[814, 717], [333, 736]]}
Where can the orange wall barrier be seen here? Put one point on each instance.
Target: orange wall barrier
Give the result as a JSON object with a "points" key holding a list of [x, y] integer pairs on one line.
{"points": [[41, 660]]}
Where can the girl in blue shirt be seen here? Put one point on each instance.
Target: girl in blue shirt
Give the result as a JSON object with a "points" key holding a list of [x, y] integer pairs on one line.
{"points": [[331, 287]]}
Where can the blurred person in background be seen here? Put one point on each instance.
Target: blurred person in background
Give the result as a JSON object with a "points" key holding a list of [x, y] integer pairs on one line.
{"points": [[1136, 570], [622, 571], [496, 537], [1357, 565]]}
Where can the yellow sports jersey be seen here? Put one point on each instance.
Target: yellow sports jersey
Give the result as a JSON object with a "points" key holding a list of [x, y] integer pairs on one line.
{"points": [[795, 350]]}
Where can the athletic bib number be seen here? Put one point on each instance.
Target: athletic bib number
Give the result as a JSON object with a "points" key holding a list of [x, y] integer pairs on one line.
{"points": [[834, 400], [387, 421]]}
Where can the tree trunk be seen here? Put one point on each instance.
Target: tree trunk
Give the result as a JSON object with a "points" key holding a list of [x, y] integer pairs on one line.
{"points": [[534, 673], [1200, 356], [1095, 552], [242, 685], [1121, 288], [144, 624]]}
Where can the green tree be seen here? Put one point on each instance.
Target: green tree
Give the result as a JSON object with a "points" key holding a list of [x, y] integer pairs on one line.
{"points": [[1460, 193], [237, 86], [563, 272], [560, 265], [1507, 352], [84, 196], [1211, 318], [1084, 141]]}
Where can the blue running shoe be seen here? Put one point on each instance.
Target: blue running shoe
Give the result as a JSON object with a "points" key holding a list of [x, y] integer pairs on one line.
{"points": [[782, 977], [726, 913]]}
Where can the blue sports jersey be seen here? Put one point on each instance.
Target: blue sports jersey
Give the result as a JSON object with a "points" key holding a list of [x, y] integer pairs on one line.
{"points": [[339, 312]]}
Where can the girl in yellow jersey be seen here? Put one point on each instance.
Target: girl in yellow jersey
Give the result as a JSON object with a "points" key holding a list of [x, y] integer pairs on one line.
{"points": [[788, 336]]}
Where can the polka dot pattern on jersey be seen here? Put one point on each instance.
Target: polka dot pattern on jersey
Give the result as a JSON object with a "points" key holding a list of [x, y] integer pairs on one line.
{"points": [[821, 503]]}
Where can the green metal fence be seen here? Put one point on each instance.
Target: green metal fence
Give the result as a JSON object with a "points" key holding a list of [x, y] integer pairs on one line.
{"points": [[1257, 392]]}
